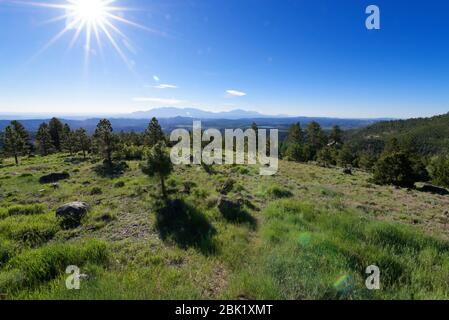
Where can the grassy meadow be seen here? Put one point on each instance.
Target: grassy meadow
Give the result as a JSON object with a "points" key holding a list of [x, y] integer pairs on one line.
{"points": [[307, 233]]}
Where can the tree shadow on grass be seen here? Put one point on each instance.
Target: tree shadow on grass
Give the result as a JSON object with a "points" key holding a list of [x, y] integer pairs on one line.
{"points": [[180, 222], [106, 170], [234, 212]]}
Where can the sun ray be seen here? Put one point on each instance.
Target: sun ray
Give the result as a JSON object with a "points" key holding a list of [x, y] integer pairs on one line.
{"points": [[94, 19], [55, 38], [115, 45], [76, 35]]}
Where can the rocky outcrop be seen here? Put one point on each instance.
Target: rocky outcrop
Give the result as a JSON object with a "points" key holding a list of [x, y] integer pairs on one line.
{"points": [[71, 214]]}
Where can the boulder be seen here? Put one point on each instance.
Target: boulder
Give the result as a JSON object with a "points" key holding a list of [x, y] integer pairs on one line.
{"points": [[71, 214], [434, 189], [54, 177]]}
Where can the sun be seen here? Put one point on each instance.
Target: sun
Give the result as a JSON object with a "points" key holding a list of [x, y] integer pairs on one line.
{"points": [[89, 11], [93, 20]]}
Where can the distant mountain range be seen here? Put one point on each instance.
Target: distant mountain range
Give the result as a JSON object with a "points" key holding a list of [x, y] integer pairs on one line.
{"points": [[160, 113], [172, 112]]}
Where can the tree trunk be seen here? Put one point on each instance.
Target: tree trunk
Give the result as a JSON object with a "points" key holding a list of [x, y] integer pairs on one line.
{"points": [[164, 191], [109, 158], [16, 159], [84, 154]]}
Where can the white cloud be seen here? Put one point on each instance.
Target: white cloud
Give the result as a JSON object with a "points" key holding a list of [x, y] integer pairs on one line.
{"points": [[160, 101], [235, 93], [165, 86], [156, 78]]}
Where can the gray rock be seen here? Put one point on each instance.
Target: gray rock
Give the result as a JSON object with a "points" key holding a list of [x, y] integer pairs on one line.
{"points": [[71, 214], [54, 177]]}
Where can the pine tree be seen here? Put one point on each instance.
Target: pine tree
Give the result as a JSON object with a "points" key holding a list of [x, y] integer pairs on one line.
{"points": [[43, 139], [68, 140], [346, 156], [325, 157], [154, 133], [315, 140], [15, 140], [56, 128], [336, 135], [83, 141], [159, 164], [295, 134], [395, 168], [105, 140]]}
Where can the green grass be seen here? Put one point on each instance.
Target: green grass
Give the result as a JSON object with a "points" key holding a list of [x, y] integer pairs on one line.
{"points": [[311, 254], [22, 210], [312, 234], [29, 230], [34, 267]]}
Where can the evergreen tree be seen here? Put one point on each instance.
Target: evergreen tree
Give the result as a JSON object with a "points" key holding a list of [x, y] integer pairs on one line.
{"points": [[43, 140], [15, 140], [336, 135], [346, 156], [83, 141], [295, 134], [395, 169], [68, 141], [439, 170], [315, 139], [325, 157], [256, 130], [367, 161], [392, 146], [154, 133], [295, 152], [159, 163], [105, 140], [56, 128]]}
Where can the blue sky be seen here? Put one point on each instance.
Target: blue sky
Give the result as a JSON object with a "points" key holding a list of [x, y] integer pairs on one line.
{"points": [[301, 57]]}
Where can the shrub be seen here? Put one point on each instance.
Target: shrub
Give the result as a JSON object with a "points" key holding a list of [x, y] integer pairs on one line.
{"points": [[395, 169], [277, 192], [325, 157], [439, 170], [119, 184], [6, 251], [132, 152], [96, 191], [367, 161], [295, 152]]}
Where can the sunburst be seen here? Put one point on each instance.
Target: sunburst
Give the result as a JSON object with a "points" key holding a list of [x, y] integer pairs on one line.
{"points": [[93, 19]]}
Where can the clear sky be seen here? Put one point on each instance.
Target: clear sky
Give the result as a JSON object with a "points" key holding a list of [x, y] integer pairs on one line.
{"points": [[296, 57]]}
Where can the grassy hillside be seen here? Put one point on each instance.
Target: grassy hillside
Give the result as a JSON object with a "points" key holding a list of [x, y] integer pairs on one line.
{"points": [[427, 136], [307, 233]]}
